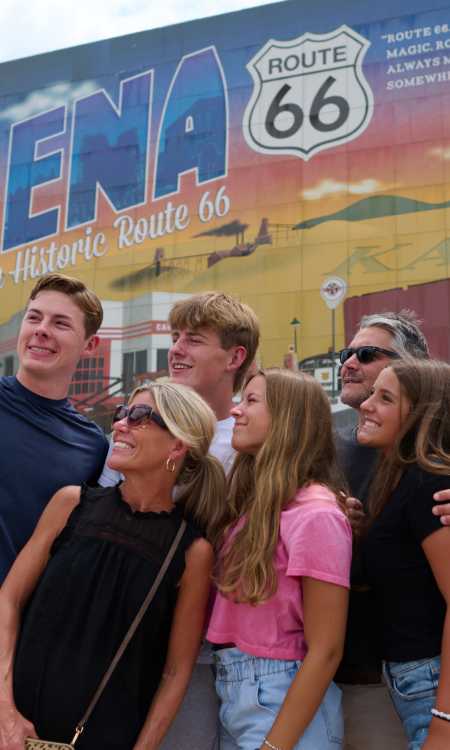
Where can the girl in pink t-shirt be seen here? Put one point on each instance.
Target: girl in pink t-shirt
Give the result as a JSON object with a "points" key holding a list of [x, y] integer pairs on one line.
{"points": [[278, 619]]}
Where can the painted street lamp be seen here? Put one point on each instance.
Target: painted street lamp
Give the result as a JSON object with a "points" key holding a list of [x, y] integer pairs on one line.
{"points": [[295, 325]]}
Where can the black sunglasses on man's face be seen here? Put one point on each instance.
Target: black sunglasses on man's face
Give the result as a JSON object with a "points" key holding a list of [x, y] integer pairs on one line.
{"points": [[365, 354]]}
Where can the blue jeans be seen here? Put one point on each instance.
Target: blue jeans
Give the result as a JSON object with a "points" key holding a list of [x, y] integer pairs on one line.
{"points": [[251, 691], [412, 685]]}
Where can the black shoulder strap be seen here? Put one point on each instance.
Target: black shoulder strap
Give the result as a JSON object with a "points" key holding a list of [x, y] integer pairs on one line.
{"points": [[131, 630]]}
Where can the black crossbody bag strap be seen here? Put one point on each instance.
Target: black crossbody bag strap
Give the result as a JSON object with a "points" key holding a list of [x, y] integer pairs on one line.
{"points": [[130, 632]]}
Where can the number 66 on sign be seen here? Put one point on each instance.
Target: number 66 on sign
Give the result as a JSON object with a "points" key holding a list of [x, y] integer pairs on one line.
{"points": [[309, 94]]}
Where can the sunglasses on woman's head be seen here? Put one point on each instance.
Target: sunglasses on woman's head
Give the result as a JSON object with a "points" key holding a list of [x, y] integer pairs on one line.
{"points": [[138, 415], [365, 354]]}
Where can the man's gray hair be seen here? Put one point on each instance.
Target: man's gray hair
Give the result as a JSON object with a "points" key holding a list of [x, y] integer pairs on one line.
{"points": [[405, 329]]}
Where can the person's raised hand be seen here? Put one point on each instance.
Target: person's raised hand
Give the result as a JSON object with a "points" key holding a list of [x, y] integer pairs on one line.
{"points": [[442, 509], [355, 513]]}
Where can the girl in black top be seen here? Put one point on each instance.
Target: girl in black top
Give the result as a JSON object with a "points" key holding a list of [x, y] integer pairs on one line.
{"points": [[86, 571], [406, 550]]}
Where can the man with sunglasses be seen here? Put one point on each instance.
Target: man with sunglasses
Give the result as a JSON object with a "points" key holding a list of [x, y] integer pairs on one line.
{"points": [[45, 443], [370, 721]]}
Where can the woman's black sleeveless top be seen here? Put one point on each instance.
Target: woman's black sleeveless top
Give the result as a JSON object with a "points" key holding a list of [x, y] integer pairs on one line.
{"points": [[101, 567]]}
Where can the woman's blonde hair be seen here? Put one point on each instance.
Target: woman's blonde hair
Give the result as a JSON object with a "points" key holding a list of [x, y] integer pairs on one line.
{"points": [[201, 480], [298, 450], [424, 437]]}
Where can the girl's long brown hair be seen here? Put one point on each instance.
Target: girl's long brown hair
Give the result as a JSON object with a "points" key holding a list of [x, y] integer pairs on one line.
{"points": [[424, 437], [298, 450]]}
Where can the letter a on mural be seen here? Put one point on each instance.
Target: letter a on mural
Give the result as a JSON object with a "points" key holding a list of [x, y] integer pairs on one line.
{"points": [[309, 94]]}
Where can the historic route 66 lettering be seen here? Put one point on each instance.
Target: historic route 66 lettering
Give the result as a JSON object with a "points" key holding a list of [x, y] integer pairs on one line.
{"points": [[309, 94]]}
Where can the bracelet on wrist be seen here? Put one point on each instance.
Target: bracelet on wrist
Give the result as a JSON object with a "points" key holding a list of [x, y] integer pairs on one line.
{"points": [[440, 714], [268, 744]]}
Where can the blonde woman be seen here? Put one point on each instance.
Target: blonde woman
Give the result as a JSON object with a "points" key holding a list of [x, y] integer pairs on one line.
{"points": [[278, 620], [86, 571], [406, 550]]}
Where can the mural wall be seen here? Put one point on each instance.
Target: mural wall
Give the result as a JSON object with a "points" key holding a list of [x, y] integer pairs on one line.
{"points": [[258, 152]]}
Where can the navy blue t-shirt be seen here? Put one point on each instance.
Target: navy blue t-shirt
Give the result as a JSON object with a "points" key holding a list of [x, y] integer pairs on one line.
{"points": [[45, 444]]}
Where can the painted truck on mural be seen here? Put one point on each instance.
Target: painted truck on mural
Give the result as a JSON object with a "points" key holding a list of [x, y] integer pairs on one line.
{"points": [[259, 153]]}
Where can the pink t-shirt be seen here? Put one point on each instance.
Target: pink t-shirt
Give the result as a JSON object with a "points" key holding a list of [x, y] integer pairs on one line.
{"points": [[315, 541]]}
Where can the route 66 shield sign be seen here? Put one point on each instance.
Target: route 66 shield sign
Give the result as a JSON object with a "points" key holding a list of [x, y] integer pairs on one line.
{"points": [[309, 94]]}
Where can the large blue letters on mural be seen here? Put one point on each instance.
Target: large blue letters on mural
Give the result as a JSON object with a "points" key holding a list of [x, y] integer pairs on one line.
{"points": [[193, 127], [109, 149], [25, 172]]}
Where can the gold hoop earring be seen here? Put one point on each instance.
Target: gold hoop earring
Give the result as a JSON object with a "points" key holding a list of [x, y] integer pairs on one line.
{"points": [[170, 465]]}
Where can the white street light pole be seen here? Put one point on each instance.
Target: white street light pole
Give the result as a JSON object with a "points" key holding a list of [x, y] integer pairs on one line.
{"points": [[333, 291]]}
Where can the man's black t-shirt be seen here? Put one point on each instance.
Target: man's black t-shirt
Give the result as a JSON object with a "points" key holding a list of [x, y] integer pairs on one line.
{"points": [[410, 609], [357, 462], [360, 663]]}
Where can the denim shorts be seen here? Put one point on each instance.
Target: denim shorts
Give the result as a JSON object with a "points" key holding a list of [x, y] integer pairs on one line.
{"points": [[251, 690], [413, 685]]}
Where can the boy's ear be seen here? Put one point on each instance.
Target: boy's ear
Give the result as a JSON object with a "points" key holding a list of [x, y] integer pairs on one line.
{"points": [[238, 355], [91, 344]]}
